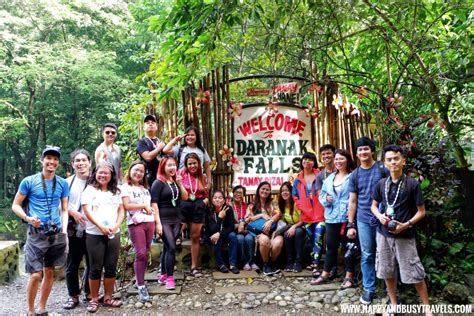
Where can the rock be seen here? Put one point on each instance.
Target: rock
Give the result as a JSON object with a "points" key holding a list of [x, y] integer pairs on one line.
{"points": [[327, 306], [278, 298], [171, 298], [208, 306], [335, 299], [288, 298], [299, 306], [316, 305], [318, 299], [148, 305], [208, 290], [297, 300], [188, 303], [197, 304], [129, 306], [229, 296], [456, 293], [327, 299], [354, 299], [265, 301], [300, 293], [287, 293], [282, 303], [226, 302], [271, 296], [246, 306], [138, 305], [336, 309], [257, 303]]}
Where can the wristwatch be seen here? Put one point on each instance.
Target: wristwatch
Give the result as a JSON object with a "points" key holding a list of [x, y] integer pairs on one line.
{"points": [[410, 224]]}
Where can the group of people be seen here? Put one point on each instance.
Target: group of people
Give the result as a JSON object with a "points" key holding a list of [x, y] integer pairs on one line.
{"points": [[368, 207]]}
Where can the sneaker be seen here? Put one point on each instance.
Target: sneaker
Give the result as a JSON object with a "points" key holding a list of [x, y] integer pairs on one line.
{"points": [[366, 298], [275, 269], [162, 279], [143, 295], [247, 267], [255, 267], [234, 270], [170, 284], [267, 270], [297, 267], [223, 269], [289, 267]]}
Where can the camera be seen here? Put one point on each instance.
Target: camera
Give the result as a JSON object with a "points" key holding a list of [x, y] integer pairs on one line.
{"points": [[50, 228], [351, 250], [392, 225]]}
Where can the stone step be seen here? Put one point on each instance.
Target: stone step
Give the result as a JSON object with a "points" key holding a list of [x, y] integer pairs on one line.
{"points": [[230, 275], [306, 287], [151, 276], [241, 289], [156, 289], [304, 273]]}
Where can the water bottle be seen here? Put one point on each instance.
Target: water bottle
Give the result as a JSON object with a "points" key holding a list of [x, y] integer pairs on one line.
{"points": [[79, 231], [107, 224]]}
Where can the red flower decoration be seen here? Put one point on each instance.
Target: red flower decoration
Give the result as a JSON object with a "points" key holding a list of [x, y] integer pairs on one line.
{"points": [[202, 97], [315, 87]]}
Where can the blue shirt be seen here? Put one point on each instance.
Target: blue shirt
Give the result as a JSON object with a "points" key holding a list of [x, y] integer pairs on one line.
{"points": [[364, 187], [335, 212], [44, 206]]}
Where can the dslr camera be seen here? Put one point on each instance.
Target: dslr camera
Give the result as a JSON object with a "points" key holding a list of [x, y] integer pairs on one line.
{"points": [[50, 228], [351, 250], [392, 225]]}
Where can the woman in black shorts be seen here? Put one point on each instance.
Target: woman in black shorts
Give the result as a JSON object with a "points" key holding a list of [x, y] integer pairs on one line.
{"points": [[193, 210]]}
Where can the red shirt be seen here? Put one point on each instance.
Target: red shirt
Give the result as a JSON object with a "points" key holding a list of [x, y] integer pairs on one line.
{"points": [[193, 185]]}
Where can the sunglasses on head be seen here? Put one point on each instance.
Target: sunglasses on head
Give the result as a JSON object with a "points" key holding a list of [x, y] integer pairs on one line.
{"points": [[52, 147], [110, 132]]}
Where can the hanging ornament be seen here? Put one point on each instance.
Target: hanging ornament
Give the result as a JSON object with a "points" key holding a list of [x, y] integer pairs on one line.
{"points": [[213, 164], [337, 101], [226, 152], [235, 109], [202, 97], [311, 111], [315, 87], [234, 163]]}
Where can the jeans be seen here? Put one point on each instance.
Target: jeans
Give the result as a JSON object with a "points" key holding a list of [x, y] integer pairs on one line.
{"points": [[230, 238], [246, 248], [77, 251], [368, 247], [294, 245]]}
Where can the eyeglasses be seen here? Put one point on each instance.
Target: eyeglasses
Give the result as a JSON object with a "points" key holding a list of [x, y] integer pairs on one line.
{"points": [[110, 132]]}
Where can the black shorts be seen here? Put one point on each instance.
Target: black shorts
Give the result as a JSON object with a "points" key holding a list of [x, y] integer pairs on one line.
{"points": [[193, 211], [44, 251]]}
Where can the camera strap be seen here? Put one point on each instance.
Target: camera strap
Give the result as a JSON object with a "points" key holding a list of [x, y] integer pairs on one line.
{"points": [[49, 202]]}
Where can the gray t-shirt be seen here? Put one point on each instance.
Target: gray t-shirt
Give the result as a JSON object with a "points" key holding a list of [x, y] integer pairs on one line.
{"points": [[323, 175], [203, 156]]}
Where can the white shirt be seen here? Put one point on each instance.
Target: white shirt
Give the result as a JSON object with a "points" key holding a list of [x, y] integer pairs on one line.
{"points": [[103, 206], [75, 192], [136, 195]]}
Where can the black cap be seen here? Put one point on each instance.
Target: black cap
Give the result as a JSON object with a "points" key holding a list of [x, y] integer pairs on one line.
{"points": [[51, 150], [149, 117]]}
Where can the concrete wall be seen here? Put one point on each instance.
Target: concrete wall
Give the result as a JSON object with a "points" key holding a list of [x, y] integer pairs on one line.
{"points": [[9, 260]]}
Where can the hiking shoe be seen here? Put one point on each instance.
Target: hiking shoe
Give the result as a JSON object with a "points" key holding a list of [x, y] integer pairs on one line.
{"points": [[255, 267], [162, 279], [367, 298], [247, 267], [289, 268], [143, 295], [222, 268], [267, 270], [297, 267], [170, 284], [234, 270]]}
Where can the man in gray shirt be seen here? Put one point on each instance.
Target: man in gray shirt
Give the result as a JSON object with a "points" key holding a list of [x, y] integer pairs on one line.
{"points": [[327, 153]]}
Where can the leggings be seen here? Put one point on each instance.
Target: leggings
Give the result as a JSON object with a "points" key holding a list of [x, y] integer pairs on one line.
{"points": [[103, 253], [141, 236], [315, 232], [168, 258], [335, 236]]}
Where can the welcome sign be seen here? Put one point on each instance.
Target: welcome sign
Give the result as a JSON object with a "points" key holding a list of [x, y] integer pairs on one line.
{"points": [[268, 143]]}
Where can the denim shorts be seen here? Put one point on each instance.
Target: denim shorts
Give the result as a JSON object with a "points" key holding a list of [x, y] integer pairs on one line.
{"points": [[43, 251], [391, 251]]}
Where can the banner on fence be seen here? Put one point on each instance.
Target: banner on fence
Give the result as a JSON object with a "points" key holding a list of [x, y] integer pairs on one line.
{"points": [[268, 143]]}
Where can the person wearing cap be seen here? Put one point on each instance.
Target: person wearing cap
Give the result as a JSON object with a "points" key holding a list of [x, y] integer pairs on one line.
{"points": [[150, 147], [108, 150], [47, 216]]}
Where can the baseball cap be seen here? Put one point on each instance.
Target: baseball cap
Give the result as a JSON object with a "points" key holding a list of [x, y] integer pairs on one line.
{"points": [[149, 117], [51, 150]]}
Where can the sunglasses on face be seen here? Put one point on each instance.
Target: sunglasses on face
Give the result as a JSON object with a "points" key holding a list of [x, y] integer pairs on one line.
{"points": [[110, 132]]}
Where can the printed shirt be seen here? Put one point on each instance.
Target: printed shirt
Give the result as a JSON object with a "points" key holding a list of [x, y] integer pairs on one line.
{"points": [[136, 195], [103, 207]]}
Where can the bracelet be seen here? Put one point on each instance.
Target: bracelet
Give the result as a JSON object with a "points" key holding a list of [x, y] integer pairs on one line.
{"points": [[351, 225], [25, 218]]}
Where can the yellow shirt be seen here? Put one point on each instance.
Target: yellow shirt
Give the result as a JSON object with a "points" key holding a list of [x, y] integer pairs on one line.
{"points": [[291, 219]]}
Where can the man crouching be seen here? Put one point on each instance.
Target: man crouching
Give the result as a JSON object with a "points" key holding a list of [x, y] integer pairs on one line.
{"points": [[403, 207]]}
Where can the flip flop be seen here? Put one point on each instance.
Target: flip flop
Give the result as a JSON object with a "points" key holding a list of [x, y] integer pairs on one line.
{"points": [[92, 306], [345, 281]]}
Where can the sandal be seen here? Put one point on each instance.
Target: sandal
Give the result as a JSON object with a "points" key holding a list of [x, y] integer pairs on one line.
{"points": [[71, 303], [112, 303], [320, 280], [316, 272], [93, 306], [195, 273], [179, 242], [344, 283]]}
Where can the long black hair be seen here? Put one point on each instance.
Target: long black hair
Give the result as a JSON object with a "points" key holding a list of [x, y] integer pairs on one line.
{"points": [[198, 137], [282, 202], [257, 209]]}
